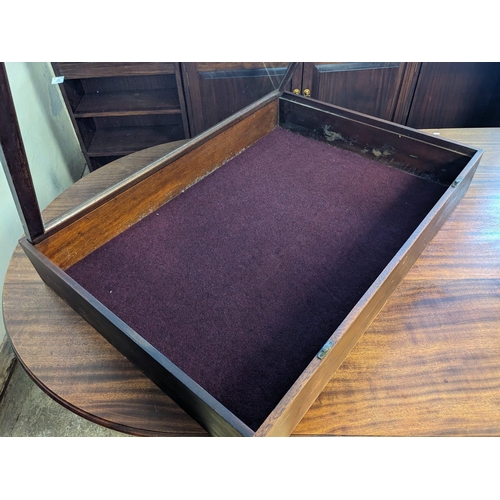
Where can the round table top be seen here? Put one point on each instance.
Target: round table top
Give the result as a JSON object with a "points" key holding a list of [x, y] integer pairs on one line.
{"points": [[429, 364]]}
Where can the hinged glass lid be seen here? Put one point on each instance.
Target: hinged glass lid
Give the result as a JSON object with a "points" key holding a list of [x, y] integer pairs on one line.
{"points": [[130, 115]]}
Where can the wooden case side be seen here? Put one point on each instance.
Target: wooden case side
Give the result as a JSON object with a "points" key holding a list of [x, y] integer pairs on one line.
{"points": [[309, 385], [401, 147], [384, 125], [72, 243], [205, 409]]}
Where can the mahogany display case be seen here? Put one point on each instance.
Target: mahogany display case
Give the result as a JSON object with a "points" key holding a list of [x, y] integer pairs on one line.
{"points": [[238, 271]]}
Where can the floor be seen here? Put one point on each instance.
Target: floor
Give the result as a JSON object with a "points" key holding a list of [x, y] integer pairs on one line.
{"points": [[26, 411]]}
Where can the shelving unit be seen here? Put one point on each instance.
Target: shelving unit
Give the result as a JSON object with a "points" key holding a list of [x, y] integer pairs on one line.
{"points": [[121, 108]]}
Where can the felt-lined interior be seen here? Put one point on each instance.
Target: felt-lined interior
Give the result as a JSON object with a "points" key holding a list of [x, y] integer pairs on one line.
{"points": [[241, 279]]}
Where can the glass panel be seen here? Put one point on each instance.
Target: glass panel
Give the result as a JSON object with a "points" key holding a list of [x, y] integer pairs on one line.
{"points": [[217, 90], [128, 115]]}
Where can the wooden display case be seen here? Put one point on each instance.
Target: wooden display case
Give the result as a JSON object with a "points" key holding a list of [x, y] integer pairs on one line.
{"points": [[362, 194]]}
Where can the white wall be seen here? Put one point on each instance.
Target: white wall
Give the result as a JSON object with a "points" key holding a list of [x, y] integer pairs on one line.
{"points": [[54, 155]]}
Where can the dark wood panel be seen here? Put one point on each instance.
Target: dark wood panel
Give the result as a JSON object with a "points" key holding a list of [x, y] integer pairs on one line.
{"points": [[370, 88], [456, 95], [218, 90], [137, 120], [296, 81], [85, 130], [15, 162], [73, 92], [100, 161], [128, 83], [406, 92], [72, 70], [239, 66], [182, 99]]}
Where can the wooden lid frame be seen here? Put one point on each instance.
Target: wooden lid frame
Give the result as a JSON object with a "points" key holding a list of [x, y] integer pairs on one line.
{"points": [[15, 163]]}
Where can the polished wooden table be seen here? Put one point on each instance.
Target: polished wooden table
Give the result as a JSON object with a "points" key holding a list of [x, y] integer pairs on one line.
{"points": [[428, 365]]}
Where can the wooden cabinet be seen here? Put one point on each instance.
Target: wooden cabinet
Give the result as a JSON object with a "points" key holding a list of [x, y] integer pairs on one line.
{"points": [[420, 95], [380, 89], [214, 91], [120, 108]]}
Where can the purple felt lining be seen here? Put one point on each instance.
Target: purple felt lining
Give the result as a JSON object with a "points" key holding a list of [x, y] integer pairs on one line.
{"points": [[241, 279]]}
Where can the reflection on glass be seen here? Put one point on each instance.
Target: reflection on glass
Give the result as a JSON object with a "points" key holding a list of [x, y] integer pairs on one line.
{"points": [[218, 90], [128, 115]]}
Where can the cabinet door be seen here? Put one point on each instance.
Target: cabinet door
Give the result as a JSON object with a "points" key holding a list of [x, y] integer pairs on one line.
{"points": [[454, 95], [215, 91], [378, 89]]}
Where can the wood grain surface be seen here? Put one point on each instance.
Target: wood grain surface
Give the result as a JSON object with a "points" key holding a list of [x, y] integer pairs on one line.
{"points": [[429, 364], [371, 88], [124, 103], [456, 94]]}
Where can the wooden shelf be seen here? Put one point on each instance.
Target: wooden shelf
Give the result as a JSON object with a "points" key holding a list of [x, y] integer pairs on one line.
{"points": [[120, 108], [126, 140], [102, 69], [126, 103]]}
